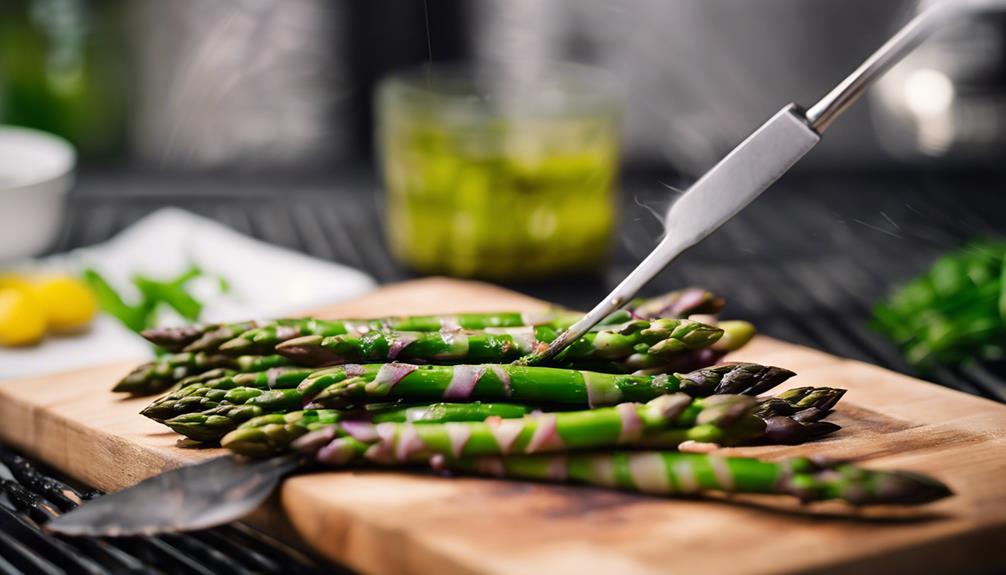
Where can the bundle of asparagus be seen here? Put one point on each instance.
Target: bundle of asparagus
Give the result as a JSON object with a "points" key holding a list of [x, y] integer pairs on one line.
{"points": [[205, 411], [627, 341], [438, 390]]}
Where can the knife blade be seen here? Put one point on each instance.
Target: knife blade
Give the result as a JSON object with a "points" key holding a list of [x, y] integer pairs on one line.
{"points": [[199, 496]]}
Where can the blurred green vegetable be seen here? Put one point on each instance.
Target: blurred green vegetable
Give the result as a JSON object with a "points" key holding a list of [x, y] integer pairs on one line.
{"points": [[954, 312], [173, 293], [63, 70]]}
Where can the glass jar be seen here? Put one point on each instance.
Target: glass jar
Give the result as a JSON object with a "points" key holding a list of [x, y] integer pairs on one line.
{"points": [[499, 178]]}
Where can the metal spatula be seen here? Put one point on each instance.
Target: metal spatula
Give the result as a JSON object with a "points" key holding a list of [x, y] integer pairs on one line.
{"points": [[757, 162]]}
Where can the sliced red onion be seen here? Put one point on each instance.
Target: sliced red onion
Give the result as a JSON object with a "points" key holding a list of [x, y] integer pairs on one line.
{"points": [[689, 298], [632, 425], [536, 317], [351, 369], [463, 381], [458, 433], [457, 342], [310, 443], [523, 337], [286, 332], [408, 443], [546, 437], [684, 473], [722, 472], [386, 431], [557, 468], [338, 452], [388, 376], [602, 469], [360, 430], [356, 327], [383, 451], [492, 466], [505, 432], [504, 378], [399, 342], [661, 382], [449, 323], [649, 473], [601, 389], [692, 446]]}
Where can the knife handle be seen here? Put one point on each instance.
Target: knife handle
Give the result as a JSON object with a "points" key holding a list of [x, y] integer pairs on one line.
{"points": [[845, 94]]}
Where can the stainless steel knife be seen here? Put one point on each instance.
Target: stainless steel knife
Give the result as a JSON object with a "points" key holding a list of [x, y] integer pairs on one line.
{"points": [[200, 496], [757, 162]]}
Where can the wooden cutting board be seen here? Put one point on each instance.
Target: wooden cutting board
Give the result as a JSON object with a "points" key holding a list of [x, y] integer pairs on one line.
{"points": [[388, 522]]}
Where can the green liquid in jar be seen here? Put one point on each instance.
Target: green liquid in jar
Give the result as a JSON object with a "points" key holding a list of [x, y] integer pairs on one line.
{"points": [[496, 198]]}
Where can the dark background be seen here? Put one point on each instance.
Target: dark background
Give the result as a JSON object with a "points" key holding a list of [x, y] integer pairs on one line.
{"points": [[259, 114]]}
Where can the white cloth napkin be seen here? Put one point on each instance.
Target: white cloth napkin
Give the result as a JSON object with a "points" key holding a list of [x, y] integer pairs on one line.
{"points": [[264, 281]]}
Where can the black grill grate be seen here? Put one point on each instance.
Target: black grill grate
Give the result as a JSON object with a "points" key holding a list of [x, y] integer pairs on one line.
{"points": [[805, 263], [25, 548]]}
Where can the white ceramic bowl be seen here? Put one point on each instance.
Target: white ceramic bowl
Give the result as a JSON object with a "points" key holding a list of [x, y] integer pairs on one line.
{"points": [[36, 171]]}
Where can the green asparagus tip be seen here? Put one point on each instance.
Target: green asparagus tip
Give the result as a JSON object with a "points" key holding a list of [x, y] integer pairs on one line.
{"points": [[734, 378], [250, 442], [784, 430], [736, 334], [199, 427], [821, 478], [139, 386], [307, 349], [172, 337], [158, 411], [913, 488], [237, 344], [803, 403]]}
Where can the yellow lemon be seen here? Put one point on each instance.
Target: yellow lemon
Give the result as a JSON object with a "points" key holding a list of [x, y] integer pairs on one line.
{"points": [[15, 281], [22, 321], [68, 304]]}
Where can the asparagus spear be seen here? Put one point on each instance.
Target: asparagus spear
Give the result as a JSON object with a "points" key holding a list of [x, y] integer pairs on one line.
{"points": [[239, 405], [265, 338], [187, 368], [672, 473], [712, 419], [628, 347], [262, 337], [342, 387], [176, 339], [201, 396], [442, 412], [338, 387], [679, 303], [166, 371], [272, 434], [736, 334], [206, 376]]}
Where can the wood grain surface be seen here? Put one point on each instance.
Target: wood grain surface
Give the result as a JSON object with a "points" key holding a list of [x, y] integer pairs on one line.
{"points": [[390, 522]]}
